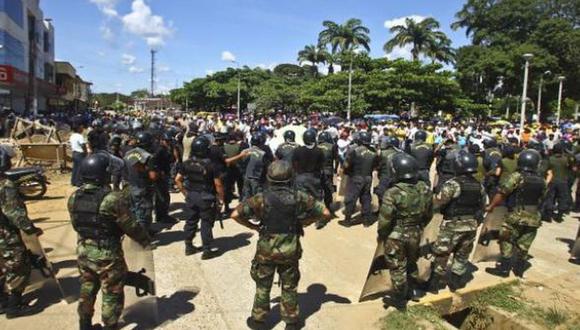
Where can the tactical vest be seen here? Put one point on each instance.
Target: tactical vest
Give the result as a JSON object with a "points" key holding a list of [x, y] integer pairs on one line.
{"points": [[411, 212], [327, 151], [468, 203], [256, 168], [385, 168], [280, 211], [363, 162], [285, 151], [530, 193], [196, 176], [87, 221], [423, 153]]}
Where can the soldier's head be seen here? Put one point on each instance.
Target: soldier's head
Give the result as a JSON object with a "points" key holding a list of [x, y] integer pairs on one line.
{"points": [[529, 160], [489, 143], [365, 138], [387, 142], [200, 147], [508, 151], [465, 163], [144, 140], [289, 136], [325, 137], [405, 167], [257, 140], [309, 137], [95, 169], [474, 149], [280, 172], [558, 148], [5, 160], [421, 136]]}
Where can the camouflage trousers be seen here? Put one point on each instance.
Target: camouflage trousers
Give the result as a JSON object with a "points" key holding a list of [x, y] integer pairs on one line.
{"points": [[108, 276], [263, 275], [401, 257], [514, 235], [458, 243], [142, 205], [251, 188], [15, 269]]}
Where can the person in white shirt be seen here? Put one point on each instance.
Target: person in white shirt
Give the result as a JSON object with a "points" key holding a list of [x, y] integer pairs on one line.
{"points": [[79, 152]]}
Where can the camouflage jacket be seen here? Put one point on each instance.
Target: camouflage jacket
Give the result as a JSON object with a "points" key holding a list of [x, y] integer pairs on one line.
{"points": [[404, 205], [116, 206], [450, 191], [14, 216], [521, 217], [280, 248]]}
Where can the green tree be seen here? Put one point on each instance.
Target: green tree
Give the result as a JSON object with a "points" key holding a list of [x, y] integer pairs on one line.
{"points": [[348, 38], [314, 55]]}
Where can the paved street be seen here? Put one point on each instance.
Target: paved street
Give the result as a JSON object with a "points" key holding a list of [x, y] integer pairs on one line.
{"points": [[217, 294]]}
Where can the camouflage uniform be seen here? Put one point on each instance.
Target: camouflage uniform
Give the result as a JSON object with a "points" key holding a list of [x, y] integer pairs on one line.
{"points": [[14, 262], [405, 210], [140, 186], [279, 252], [521, 225], [457, 234], [101, 261]]}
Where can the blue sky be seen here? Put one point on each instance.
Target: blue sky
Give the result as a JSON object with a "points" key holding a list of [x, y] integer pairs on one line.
{"points": [[110, 39]]}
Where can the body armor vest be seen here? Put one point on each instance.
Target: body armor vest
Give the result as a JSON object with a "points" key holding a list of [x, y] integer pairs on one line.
{"points": [[385, 167], [469, 201], [363, 162], [529, 194], [285, 151], [280, 215], [196, 176], [410, 214], [423, 153], [327, 151], [255, 168], [87, 221]]}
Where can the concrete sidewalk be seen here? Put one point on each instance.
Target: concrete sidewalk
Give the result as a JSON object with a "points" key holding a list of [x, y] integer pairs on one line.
{"points": [[218, 293]]}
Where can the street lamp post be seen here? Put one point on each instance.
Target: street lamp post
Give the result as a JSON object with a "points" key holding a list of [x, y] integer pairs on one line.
{"points": [[539, 105], [561, 80], [239, 86], [527, 57]]}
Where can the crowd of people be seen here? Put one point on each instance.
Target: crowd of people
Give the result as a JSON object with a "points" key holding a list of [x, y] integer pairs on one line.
{"points": [[283, 170]]}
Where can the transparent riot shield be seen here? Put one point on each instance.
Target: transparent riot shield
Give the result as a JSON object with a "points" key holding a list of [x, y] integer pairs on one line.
{"points": [[140, 299], [378, 281], [42, 275], [575, 252], [487, 247]]}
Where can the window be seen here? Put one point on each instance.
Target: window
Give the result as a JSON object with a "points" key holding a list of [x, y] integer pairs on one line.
{"points": [[46, 42], [14, 10]]}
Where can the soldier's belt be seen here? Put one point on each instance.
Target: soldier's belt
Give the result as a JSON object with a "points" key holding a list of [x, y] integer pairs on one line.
{"points": [[102, 243], [460, 217]]}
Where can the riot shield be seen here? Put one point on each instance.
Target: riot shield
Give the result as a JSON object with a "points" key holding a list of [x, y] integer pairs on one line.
{"points": [[42, 275], [487, 247], [140, 299], [378, 281], [575, 252], [342, 184]]}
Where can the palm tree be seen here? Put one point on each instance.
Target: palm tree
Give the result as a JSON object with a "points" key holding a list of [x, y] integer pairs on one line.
{"points": [[346, 38], [424, 36], [313, 54], [442, 51]]}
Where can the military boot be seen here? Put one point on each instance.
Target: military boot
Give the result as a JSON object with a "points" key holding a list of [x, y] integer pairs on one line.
{"points": [[399, 298], [520, 266], [294, 326], [209, 253], [502, 268], [16, 308], [347, 222], [254, 324], [436, 283], [190, 249], [3, 303], [111, 327], [456, 282], [85, 324]]}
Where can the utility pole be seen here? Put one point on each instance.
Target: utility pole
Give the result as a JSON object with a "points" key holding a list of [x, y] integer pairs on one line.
{"points": [[561, 79], [527, 57], [153, 51], [539, 105]]}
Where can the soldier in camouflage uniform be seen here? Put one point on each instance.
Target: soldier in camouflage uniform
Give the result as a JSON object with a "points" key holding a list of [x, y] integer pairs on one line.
{"points": [[388, 146], [282, 211], [101, 218], [559, 195], [286, 149], [405, 211], [14, 261], [462, 202], [527, 189], [259, 156], [423, 153]]}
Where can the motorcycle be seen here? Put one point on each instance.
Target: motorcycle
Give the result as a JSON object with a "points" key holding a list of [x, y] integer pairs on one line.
{"points": [[31, 181]]}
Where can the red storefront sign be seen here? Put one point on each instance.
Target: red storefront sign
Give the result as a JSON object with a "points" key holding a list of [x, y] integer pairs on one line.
{"points": [[6, 74]]}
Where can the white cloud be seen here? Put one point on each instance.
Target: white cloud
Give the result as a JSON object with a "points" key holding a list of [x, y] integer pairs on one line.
{"points": [[209, 72], [270, 66], [401, 20], [163, 68], [107, 7], [128, 59], [107, 33], [228, 56], [101, 53], [142, 22], [135, 69]]}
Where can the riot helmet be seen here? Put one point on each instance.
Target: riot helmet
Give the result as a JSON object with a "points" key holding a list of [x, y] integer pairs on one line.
{"points": [[95, 169], [309, 137], [404, 167], [280, 171], [529, 160], [365, 138], [289, 136], [325, 137], [465, 163], [421, 136], [200, 147], [144, 140]]}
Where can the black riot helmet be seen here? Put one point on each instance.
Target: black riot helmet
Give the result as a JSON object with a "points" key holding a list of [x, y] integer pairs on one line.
{"points": [[365, 138], [257, 139], [465, 163], [200, 147], [388, 142], [280, 171], [95, 169], [404, 167], [325, 137], [289, 136], [490, 143], [529, 160], [421, 136], [144, 140], [309, 137]]}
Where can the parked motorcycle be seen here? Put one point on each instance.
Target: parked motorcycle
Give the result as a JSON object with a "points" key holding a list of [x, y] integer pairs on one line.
{"points": [[31, 181]]}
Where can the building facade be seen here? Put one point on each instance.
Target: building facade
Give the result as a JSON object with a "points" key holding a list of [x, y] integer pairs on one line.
{"points": [[27, 69], [74, 91]]}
